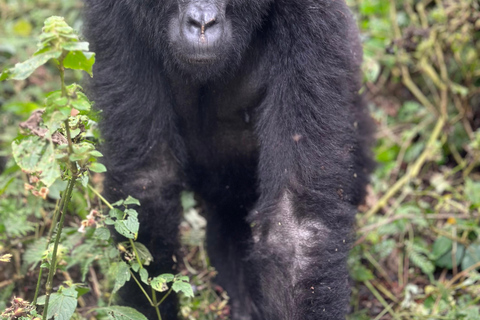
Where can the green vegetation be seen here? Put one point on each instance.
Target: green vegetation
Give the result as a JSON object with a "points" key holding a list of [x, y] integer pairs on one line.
{"points": [[417, 253]]}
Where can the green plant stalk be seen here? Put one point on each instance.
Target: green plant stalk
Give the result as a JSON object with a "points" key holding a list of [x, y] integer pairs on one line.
{"points": [[100, 197], [165, 296], [156, 305], [58, 207], [141, 288], [61, 68], [52, 269]]}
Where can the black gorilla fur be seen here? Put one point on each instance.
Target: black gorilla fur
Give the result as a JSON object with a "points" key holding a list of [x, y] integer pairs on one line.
{"points": [[254, 105]]}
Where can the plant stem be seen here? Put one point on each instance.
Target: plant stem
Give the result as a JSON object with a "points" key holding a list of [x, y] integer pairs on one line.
{"points": [[136, 253], [49, 238], [53, 263], [61, 69], [165, 296], [101, 197], [157, 309], [141, 288]]}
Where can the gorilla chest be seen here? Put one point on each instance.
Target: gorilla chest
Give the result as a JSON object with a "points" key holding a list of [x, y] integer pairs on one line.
{"points": [[217, 122]]}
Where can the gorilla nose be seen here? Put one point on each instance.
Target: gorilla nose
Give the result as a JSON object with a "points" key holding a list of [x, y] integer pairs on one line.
{"points": [[202, 24]]}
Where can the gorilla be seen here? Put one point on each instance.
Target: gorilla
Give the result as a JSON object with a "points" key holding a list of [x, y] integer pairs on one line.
{"points": [[254, 106]]}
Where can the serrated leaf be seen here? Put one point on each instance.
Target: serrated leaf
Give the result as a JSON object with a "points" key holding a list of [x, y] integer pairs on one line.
{"points": [[144, 254], [118, 203], [135, 265], [23, 70], [167, 276], [97, 167], [33, 154], [102, 233], [96, 154], [62, 305], [422, 262], [184, 287], [80, 60], [121, 272], [131, 212], [76, 46], [116, 213], [183, 278], [131, 200], [122, 313], [144, 275], [132, 224], [81, 102], [159, 284], [123, 230]]}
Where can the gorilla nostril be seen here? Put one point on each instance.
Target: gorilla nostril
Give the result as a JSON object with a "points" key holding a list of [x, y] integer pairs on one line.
{"points": [[202, 20], [210, 23], [193, 22]]}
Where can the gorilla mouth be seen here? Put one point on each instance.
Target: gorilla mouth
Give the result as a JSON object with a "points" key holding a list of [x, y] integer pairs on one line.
{"points": [[200, 60]]}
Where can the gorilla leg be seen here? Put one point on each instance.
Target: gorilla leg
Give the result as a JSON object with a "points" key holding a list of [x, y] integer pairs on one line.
{"points": [[157, 184], [228, 243]]}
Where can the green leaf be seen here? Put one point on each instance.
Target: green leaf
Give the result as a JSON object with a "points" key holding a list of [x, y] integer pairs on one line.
{"points": [[76, 46], [143, 253], [97, 167], [183, 278], [116, 213], [33, 154], [62, 304], [131, 200], [118, 203], [445, 261], [24, 69], [472, 191], [135, 265], [122, 313], [132, 224], [81, 102], [361, 273], [102, 233], [441, 246], [96, 154], [159, 283], [167, 276], [144, 275], [184, 287], [123, 230], [80, 60], [472, 255], [422, 262], [121, 272]]}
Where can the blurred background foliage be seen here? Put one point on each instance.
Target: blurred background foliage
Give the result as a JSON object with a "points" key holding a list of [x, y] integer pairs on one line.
{"points": [[417, 253]]}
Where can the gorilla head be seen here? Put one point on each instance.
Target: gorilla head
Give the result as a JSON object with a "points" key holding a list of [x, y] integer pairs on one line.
{"points": [[200, 39]]}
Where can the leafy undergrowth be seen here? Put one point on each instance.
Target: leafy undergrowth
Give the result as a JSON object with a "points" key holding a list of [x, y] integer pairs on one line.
{"points": [[418, 249], [417, 252]]}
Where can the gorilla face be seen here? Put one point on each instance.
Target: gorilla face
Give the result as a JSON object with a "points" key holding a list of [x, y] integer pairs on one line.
{"points": [[200, 32], [205, 39], [200, 39]]}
